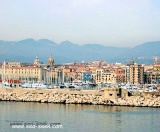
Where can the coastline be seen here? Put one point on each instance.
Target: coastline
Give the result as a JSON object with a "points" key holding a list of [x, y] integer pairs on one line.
{"points": [[93, 97]]}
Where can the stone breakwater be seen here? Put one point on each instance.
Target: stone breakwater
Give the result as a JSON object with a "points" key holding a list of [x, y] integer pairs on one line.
{"points": [[75, 97], [150, 101]]}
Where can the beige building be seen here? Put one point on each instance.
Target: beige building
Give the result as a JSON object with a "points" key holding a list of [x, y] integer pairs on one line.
{"points": [[109, 77], [27, 72], [134, 73], [112, 93], [152, 74], [23, 72], [99, 73]]}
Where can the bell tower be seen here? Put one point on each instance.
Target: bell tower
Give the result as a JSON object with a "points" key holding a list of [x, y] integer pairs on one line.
{"points": [[50, 61], [155, 60]]}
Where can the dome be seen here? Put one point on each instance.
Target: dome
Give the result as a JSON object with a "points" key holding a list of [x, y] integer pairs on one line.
{"points": [[36, 61], [50, 60], [132, 61]]}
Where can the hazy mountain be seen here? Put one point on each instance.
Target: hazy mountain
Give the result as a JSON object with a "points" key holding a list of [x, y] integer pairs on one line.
{"points": [[143, 53], [47, 42], [145, 49], [26, 51]]}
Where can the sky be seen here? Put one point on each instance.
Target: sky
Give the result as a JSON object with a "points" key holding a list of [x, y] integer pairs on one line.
{"points": [[120, 23]]}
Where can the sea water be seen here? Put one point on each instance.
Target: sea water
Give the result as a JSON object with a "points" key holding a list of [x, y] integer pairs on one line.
{"points": [[33, 116]]}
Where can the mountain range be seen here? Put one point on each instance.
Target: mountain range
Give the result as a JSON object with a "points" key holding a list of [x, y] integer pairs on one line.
{"points": [[65, 52]]}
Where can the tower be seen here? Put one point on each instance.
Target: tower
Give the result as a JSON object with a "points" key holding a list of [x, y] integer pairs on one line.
{"points": [[131, 62], [50, 61], [155, 60]]}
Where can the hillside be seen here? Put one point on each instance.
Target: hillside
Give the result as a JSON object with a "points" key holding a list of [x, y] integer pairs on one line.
{"points": [[66, 51]]}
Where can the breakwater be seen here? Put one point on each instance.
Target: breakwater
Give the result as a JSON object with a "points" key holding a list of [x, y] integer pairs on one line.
{"points": [[77, 97]]}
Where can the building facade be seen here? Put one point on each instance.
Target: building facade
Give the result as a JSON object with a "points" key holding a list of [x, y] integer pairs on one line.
{"points": [[134, 73]]}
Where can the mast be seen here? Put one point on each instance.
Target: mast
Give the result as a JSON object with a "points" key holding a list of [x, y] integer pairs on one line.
{"points": [[9, 75], [3, 71], [51, 76]]}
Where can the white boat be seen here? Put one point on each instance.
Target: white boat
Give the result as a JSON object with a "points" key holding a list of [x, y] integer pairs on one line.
{"points": [[27, 85], [75, 86], [140, 90], [78, 83], [59, 86], [34, 85], [5, 84], [39, 85], [130, 87], [150, 89]]}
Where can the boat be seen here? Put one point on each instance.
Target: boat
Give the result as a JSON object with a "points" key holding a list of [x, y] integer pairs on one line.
{"points": [[62, 85], [39, 85], [71, 86], [34, 85], [93, 84], [130, 87], [27, 85], [101, 89], [75, 86], [78, 83], [4, 84]]}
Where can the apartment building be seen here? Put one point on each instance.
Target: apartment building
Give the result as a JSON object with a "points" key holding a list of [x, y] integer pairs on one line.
{"points": [[134, 73]]}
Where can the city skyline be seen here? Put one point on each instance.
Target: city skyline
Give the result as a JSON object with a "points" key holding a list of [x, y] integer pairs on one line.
{"points": [[110, 23]]}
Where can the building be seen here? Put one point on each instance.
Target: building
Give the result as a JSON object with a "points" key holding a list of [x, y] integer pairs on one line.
{"points": [[86, 76], [152, 74], [134, 73], [51, 61], [109, 77], [20, 71], [99, 73], [36, 71], [111, 93], [120, 75]]}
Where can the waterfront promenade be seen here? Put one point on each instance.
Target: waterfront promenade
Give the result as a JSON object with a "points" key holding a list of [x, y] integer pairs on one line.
{"points": [[78, 97]]}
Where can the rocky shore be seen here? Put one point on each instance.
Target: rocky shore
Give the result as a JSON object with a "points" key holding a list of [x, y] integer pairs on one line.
{"points": [[76, 97], [150, 101]]}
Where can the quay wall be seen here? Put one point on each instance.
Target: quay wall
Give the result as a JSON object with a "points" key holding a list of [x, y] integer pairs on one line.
{"points": [[77, 97]]}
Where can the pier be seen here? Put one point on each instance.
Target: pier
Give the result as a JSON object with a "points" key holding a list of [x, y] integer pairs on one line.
{"points": [[110, 96]]}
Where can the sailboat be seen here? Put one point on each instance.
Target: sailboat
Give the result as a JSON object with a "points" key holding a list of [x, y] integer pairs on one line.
{"points": [[34, 85]]}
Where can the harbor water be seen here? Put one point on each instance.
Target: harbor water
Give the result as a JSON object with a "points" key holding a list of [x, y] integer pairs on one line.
{"points": [[77, 117]]}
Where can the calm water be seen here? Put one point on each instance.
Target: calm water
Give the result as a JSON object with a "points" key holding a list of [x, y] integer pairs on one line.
{"points": [[79, 118]]}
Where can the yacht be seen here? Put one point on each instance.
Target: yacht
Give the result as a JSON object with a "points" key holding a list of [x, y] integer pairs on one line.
{"points": [[34, 85], [75, 86], [93, 84], [27, 85], [39, 85], [130, 87], [62, 85], [4, 84]]}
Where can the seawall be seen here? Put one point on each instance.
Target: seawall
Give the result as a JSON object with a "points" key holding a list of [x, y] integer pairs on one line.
{"points": [[76, 97]]}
